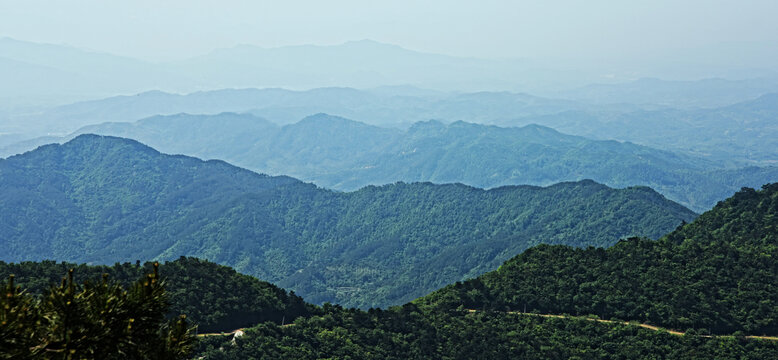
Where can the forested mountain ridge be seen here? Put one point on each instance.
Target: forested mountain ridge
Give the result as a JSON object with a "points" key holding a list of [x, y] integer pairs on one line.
{"points": [[717, 273], [749, 218], [214, 297], [440, 326], [104, 199], [354, 154]]}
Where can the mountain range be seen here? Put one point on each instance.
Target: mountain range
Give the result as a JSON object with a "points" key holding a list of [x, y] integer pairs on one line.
{"points": [[712, 279], [104, 199], [47, 74], [384, 106], [739, 133], [40, 72], [363, 200], [346, 155], [705, 290]]}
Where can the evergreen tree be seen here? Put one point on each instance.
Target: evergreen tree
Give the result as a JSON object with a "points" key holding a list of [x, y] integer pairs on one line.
{"points": [[93, 321]]}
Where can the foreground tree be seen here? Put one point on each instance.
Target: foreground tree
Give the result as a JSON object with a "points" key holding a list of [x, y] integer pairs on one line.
{"points": [[92, 321]]}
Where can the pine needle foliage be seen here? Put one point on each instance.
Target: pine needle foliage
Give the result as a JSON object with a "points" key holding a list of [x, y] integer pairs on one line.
{"points": [[93, 320]]}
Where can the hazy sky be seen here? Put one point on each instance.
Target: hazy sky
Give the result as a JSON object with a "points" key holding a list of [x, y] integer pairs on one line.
{"points": [[169, 29]]}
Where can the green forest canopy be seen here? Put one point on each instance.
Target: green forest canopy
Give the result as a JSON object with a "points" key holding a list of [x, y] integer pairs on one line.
{"points": [[102, 200], [714, 274], [718, 273]]}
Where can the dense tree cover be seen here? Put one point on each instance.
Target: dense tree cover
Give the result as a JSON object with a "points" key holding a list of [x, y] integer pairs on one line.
{"points": [[96, 320], [718, 273], [411, 333], [715, 274], [102, 200], [346, 155], [214, 297]]}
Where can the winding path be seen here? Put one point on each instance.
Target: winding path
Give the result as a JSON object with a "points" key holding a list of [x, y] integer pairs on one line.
{"points": [[233, 332], [645, 326]]}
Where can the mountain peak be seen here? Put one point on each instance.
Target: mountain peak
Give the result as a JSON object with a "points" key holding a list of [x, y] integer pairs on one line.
{"points": [[95, 144], [726, 221], [327, 119], [89, 138], [370, 43]]}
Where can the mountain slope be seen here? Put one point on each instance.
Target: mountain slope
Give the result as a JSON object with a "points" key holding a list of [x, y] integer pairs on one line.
{"points": [[103, 199], [717, 273], [346, 155], [438, 326]]}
